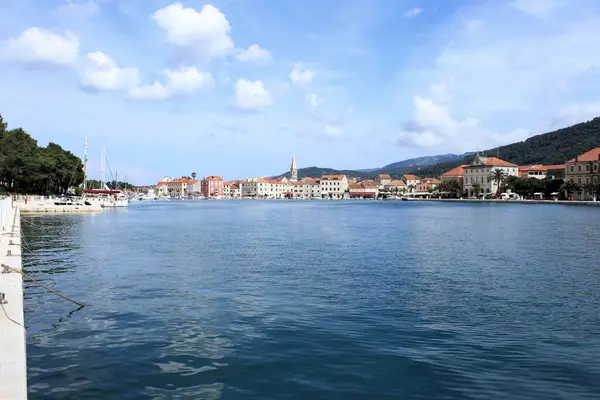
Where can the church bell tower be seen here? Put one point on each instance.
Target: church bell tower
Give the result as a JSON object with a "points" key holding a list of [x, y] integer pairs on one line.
{"points": [[293, 171]]}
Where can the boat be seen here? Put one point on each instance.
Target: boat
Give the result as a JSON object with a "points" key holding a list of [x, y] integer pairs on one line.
{"points": [[105, 197]]}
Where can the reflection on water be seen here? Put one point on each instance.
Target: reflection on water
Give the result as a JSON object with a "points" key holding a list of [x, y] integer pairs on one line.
{"points": [[231, 299]]}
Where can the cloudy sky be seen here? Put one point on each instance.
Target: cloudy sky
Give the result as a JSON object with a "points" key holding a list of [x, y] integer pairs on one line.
{"points": [[236, 87]]}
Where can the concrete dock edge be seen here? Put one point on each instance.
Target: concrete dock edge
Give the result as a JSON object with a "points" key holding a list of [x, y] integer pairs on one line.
{"points": [[13, 360]]}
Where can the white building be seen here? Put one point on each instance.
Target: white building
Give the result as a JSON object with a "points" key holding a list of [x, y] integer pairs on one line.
{"points": [[411, 182], [333, 186], [267, 188], [480, 171], [307, 188]]}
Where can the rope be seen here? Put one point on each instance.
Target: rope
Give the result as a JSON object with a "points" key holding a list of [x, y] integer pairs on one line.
{"points": [[9, 318], [6, 267]]}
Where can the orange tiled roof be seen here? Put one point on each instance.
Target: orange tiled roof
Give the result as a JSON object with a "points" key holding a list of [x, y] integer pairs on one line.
{"points": [[235, 187], [332, 177], [385, 176], [396, 182], [213, 178], [363, 185], [458, 171], [592, 155], [496, 162], [410, 177]]}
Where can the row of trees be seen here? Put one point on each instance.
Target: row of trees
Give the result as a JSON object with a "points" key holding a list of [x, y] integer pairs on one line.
{"points": [[525, 186], [95, 184], [26, 167]]}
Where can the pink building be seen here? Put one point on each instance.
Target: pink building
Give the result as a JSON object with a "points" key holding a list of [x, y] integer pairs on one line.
{"points": [[212, 186]]}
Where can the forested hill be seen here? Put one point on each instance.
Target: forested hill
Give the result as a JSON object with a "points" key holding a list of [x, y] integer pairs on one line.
{"points": [[26, 167], [549, 148]]}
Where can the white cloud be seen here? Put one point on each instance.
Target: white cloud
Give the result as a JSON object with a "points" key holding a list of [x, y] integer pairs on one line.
{"points": [[434, 127], [333, 130], [412, 12], [251, 95], [502, 72], [78, 11], [539, 8], [300, 76], [101, 73], [37, 46], [255, 55], [314, 101], [156, 91], [186, 80], [576, 113], [206, 31]]}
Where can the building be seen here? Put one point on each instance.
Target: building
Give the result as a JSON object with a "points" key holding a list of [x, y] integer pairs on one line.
{"points": [[364, 189], [455, 174], [177, 188], [307, 188], [266, 188], [293, 171], [212, 186], [427, 184], [333, 186], [231, 189], [384, 179], [411, 182], [584, 171], [542, 171], [161, 187], [234, 191], [194, 188], [478, 175], [396, 186]]}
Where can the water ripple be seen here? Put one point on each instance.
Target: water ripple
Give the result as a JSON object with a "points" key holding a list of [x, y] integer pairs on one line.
{"points": [[209, 300]]}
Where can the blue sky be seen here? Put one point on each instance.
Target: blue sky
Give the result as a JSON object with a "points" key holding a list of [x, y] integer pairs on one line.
{"points": [[237, 87]]}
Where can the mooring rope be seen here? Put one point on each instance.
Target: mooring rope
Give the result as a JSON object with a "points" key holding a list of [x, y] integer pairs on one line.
{"points": [[9, 318], [8, 268]]}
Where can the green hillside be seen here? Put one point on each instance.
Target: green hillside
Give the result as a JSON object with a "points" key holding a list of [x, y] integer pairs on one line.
{"points": [[549, 148]]}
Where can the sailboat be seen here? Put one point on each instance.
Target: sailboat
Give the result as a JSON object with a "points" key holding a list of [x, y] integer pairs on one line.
{"points": [[106, 197]]}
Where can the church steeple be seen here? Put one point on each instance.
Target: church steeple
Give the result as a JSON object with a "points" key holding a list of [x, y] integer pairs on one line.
{"points": [[293, 170]]}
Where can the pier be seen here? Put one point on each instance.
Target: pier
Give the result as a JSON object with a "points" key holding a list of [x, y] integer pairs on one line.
{"points": [[46, 205], [13, 361]]}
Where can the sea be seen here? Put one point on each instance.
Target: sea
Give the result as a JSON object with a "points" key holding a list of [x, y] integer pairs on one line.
{"points": [[259, 299]]}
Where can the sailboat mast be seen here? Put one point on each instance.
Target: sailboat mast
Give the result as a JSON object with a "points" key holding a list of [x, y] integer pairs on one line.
{"points": [[102, 166], [85, 165]]}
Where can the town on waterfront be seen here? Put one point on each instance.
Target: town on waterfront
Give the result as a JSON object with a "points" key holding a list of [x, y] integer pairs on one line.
{"points": [[484, 177]]}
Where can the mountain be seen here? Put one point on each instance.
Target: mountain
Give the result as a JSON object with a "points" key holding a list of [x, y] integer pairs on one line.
{"points": [[554, 147], [399, 167], [427, 160]]}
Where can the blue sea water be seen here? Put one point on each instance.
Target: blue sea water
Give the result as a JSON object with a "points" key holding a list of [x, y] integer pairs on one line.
{"points": [[315, 300]]}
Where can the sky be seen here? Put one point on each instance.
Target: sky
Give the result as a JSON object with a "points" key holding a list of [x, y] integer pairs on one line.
{"points": [[237, 87]]}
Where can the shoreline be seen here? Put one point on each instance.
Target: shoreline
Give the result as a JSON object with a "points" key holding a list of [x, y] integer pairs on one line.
{"points": [[489, 201], [493, 201]]}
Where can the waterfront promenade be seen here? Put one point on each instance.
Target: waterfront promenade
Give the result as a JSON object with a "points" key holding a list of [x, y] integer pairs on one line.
{"points": [[13, 368]]}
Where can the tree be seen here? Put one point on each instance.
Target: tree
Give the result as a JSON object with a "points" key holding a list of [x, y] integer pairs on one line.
{"points": [[569, 187], [589, 190], [498, 176], [194, 175], [476, 189], [27, 168]]}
